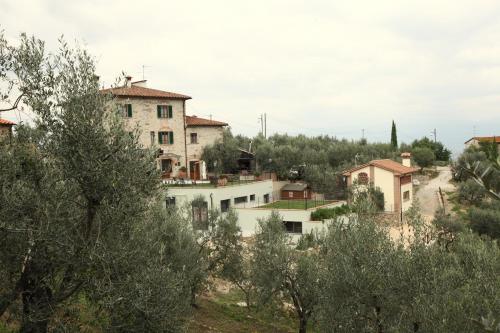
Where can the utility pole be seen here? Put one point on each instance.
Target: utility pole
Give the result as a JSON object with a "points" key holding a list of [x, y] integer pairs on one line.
{"points": [[434, 132], [265, 126], [261, 119], [362, 133]]}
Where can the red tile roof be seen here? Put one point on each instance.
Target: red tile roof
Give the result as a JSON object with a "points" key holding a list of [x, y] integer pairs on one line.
{"points": [[6, 122], [143, 92], [386, 164], [495, 139], [196, 121]]}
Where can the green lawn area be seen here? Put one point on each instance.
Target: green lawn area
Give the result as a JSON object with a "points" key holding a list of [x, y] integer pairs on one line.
{"points": [[296, 204]]}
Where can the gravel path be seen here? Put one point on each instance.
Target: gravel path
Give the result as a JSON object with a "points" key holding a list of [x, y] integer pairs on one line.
{"points": [[428, 195]]}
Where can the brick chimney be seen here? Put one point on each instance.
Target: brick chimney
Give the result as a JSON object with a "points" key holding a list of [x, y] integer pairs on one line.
{"points": [[129, 81], [406, 158]]}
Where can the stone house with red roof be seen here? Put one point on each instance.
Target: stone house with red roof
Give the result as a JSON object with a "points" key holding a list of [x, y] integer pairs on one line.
{"points": [[163, 123], [394, 180], [6, 127]]}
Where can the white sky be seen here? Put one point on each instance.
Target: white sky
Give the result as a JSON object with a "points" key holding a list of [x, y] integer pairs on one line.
{"points": [[315, 67]]}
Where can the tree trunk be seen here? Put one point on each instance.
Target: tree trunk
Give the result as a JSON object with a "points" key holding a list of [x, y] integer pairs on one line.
{"points": [[247, 299], [36, 309], [303, 324]]}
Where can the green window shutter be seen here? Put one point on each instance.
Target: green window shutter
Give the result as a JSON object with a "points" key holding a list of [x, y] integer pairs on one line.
{"points": [[170, 111], [171, 137], [158, 111], [129, 110], [160, 137]]}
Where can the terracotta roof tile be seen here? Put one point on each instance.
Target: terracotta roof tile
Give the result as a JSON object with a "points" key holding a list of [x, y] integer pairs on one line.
{"points": [[143, 92], [6, 122], [386, 164], [196, 121], [495, 139]]}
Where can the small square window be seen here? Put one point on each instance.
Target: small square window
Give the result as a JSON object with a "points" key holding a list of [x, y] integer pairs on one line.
{"points": [[293, 227], [224, 205], [252, 197], [194, 138], [406, 195], [170, 202]]}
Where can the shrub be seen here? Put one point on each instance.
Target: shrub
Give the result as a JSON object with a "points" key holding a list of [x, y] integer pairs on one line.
{"points": [[423, 156], [471, 192], [329, 213], [485, 220]]}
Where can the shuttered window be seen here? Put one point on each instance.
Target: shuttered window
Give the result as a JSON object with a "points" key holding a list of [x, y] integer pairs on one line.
{"points": [[164, 111], [125, 110], [165, 138]]}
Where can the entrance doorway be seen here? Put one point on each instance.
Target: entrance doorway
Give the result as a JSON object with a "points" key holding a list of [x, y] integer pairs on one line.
{"points": [[194, 170]]}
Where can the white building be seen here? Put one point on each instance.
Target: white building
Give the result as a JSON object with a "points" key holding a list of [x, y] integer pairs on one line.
{"points": [[393, 179], [247, 200]]}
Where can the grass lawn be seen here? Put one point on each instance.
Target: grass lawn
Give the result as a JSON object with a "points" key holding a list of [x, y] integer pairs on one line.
{"points": [[296, 204]]}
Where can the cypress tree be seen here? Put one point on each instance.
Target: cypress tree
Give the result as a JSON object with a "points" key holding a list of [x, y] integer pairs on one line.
{"points": [[394, 136]]}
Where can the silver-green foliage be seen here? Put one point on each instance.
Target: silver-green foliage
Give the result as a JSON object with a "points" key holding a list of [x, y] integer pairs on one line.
{"points": [[75, 203], [283, 272], [372, 284]]}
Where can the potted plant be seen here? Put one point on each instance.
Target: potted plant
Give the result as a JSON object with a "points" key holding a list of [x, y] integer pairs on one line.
{"points": [[222, 180], [182, 172]]}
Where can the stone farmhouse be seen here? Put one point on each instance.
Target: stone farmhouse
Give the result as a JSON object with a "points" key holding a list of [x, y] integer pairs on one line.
{"points": [[394, 180], [163, 123], [6, 127]]}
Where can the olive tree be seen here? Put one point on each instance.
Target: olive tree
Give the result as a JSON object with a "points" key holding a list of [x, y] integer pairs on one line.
{"points": [[281, 271], [428, 282], [76, 192]]}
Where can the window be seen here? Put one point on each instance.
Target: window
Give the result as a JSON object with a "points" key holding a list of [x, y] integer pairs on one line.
{"points": [[152, 135], [363, 178], [290, 194], [252, 197], [166, 165], [406, 195], [164, 111], [125, 110], [266, 198], [165, 138], [293, 227], [194, 138], [170, 202], [200, 215], [224, 205], [239, 200]]}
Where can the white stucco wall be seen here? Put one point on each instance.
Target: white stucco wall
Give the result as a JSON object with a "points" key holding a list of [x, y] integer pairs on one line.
{"points": [[385, 180], [248, 218], [259, 189], [406, 204]]}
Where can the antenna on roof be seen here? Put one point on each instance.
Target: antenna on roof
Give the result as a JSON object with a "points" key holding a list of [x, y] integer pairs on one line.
{"points": [[143, 70]]}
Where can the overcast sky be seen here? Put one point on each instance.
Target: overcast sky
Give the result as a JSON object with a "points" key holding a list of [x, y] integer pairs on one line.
{"points": [[315, 67]]}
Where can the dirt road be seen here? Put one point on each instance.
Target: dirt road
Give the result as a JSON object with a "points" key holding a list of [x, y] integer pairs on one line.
{"points": [[428, 195]]}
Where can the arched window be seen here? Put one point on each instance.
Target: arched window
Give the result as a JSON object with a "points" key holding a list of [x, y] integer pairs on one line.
{"points": [[363, 178]]}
